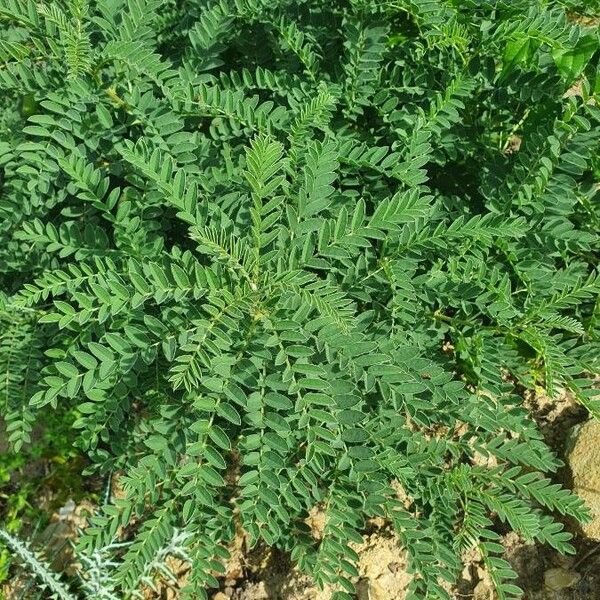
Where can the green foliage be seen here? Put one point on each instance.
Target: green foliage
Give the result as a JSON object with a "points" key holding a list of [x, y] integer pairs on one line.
{"points": [[49, 581], [280, 255]]}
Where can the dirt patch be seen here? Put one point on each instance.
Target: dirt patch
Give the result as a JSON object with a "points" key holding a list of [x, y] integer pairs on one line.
{"points": [[382, 575], [584, 20], [555, 416]]}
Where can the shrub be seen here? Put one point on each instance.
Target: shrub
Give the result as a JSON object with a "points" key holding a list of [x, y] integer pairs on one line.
{"points": [[279, 255]]}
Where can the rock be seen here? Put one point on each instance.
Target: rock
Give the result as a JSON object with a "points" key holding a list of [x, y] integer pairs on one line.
{"points": [[583, 458], [220, 596], [560, 579]]}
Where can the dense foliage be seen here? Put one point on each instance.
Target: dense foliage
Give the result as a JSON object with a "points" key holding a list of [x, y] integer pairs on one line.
{"points": [[282, 254]]}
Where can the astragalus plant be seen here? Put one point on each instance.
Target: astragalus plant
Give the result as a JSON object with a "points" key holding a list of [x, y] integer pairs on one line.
{"points": [[279, 255]]}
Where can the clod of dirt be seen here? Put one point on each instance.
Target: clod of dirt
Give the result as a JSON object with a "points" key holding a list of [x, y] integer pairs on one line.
{"points": [[583, 457], [382, 568], [560, 579], [317, 519]]}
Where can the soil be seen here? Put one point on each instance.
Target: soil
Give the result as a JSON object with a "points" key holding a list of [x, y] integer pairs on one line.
{"points": [[382, 575]]}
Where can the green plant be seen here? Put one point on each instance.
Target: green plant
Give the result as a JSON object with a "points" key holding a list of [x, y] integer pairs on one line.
{"points": [[284, 254], [48, 580], [96, 567]]}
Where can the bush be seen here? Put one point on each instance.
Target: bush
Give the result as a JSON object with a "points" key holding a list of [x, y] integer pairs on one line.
{"points": [[279, 255]]}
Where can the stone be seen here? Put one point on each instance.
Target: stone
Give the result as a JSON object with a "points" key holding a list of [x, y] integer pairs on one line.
{"points": [[583, 457], [560, 579]]}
